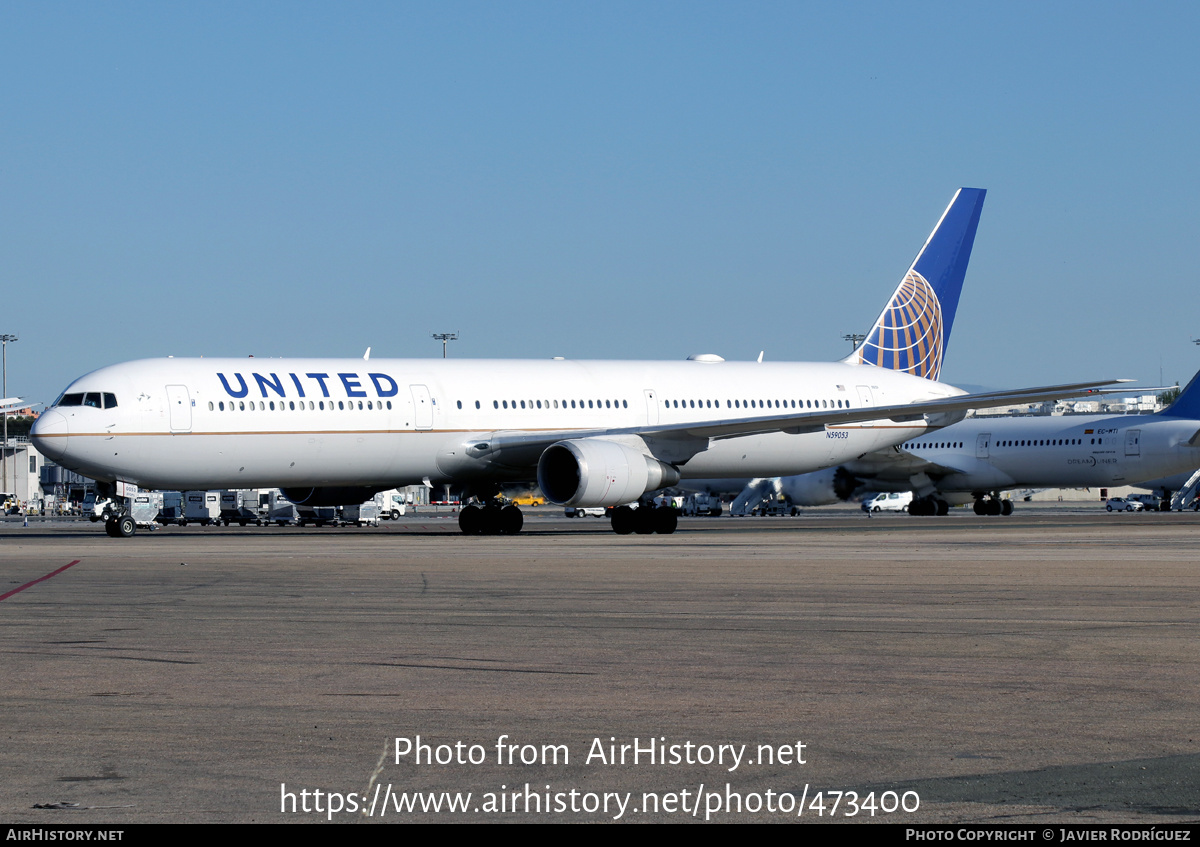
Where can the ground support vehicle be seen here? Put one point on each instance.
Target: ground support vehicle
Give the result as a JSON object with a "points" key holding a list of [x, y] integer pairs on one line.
{"points": [[202, 507]]}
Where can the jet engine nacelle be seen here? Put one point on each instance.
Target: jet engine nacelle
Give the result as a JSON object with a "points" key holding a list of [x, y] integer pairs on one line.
{"points": [[597, 472], [821, 488], [330, 496]]}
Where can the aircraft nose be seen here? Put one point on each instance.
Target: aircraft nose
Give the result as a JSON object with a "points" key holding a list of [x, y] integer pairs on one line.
{"points": [[49, 434]]}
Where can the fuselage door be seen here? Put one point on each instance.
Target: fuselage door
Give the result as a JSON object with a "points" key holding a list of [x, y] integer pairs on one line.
{"points": [[983, 442], [651, 407], [867, 400], [1133, 443], [422, 407], [180, 403]]}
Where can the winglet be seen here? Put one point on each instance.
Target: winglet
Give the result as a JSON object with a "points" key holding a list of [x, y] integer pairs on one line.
{"points": [[912, 332]]}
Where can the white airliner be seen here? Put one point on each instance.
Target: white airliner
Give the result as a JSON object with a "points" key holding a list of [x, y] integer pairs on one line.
{"points": [[591, 433], [980, 457]]}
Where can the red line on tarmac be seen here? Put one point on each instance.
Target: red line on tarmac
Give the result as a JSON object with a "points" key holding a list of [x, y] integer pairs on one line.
{"points": [[39, 579]]}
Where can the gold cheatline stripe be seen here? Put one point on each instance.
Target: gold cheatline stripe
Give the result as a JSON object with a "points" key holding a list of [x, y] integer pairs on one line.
{"points": [[397, 431], [290, 432]]}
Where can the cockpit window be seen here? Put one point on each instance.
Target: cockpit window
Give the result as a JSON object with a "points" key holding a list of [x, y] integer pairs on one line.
{"points": [[95, 399]]}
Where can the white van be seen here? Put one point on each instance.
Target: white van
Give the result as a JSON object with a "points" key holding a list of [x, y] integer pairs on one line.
{"points": [[892, 502]]}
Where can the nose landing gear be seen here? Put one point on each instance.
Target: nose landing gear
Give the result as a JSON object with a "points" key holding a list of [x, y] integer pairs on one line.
{"points": [[120, 526]]}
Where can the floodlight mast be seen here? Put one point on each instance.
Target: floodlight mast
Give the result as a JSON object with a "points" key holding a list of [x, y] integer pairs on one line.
{"points": [[445, 337], [4, 339]]}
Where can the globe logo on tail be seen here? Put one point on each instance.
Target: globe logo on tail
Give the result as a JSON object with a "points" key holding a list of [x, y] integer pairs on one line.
{"points": [[908, 335]]}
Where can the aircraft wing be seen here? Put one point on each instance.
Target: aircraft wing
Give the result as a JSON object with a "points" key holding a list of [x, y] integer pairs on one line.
{"points": [[9, 402], [897, 465], [679, 442]]}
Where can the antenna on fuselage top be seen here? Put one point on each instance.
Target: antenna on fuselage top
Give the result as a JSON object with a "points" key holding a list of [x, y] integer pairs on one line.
{"points": [[367, 355]]}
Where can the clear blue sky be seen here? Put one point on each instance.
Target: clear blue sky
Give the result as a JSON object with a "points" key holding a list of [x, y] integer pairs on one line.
{"points": [[594, 180]]}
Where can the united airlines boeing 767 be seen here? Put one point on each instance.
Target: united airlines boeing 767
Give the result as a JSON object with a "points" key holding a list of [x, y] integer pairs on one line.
{"points": [[590, 433]]}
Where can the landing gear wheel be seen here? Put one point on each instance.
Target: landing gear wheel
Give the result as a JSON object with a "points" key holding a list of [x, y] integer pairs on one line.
{"points": [[1006, 508], [490, 520], [511, 520], [623, 520], [943, 508], [470, 521], [924, 508], [993, 507], [980, 507], [666, 520], [645, 520]]}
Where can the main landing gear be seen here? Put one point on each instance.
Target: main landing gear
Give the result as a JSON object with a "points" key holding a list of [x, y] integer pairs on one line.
{"points": [[491, 518], [928, 507], [992, 505], [645, 519]]}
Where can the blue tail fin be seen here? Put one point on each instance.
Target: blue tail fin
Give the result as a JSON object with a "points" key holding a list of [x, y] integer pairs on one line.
{"points": [[912, 332], [1187, 404]]}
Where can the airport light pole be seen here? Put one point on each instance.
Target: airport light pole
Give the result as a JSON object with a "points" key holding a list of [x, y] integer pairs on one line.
{"points": [[4, 339], [853, 338], [445, 337]]}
